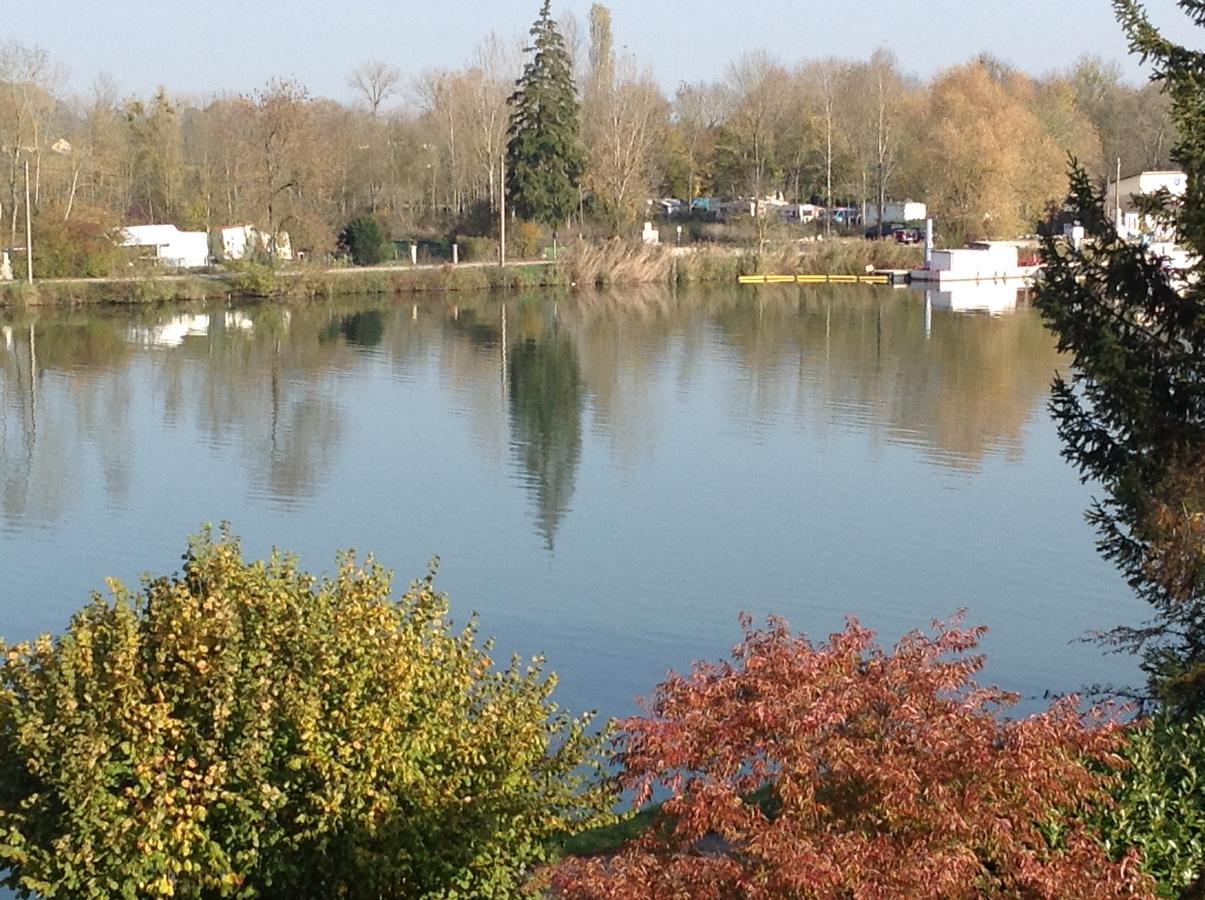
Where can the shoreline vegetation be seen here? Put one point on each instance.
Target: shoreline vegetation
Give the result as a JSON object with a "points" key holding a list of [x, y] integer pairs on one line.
{"points": [[582, 265]]}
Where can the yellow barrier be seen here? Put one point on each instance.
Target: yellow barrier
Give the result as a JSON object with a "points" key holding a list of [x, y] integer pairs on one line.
{"points": [[814, 279]]}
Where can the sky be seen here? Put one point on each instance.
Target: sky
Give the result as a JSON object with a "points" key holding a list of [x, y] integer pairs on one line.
{"points": [[217, 46]]}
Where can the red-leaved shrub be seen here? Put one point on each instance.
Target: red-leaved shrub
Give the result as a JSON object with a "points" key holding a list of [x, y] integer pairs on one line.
{"points": [[844, 771]]}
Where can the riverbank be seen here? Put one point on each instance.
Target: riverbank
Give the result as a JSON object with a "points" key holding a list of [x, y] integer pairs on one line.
{"points": [[592, 265], [289, 284]]}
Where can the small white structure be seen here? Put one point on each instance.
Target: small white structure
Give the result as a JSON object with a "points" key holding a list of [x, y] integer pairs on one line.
{"points": [[650, 237], [239, 241], [1123, 199], [802, 213], [907, 211], [986, 261], [169, 245], [6, 266]]}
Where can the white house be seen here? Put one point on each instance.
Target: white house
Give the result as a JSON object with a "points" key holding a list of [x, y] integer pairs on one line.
{"points": [[238, 241], [1123, 198], [907, 211], [169, 245]]}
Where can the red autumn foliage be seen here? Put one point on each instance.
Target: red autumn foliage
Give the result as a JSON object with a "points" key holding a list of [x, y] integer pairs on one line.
{"points": [[890, 775]]}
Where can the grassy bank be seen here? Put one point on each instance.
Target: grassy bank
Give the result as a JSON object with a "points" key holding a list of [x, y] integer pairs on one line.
{"points": [[622, 263], [293, 284], [585, 265]]}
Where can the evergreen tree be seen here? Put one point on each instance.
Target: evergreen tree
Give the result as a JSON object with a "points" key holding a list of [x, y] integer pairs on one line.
{"points": [[544, 158], [1132, 415]]}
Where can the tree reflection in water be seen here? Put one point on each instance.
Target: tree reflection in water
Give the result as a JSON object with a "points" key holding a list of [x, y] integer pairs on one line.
{"points": [[547, 399], [259, 380]]}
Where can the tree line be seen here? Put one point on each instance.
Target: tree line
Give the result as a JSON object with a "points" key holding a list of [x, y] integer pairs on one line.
{"points": [[983, 143]]}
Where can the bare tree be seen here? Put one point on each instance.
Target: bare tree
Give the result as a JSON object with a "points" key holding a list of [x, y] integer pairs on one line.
{"points": [[823, 80], [376, 82], [625, 127], [29, 80]]}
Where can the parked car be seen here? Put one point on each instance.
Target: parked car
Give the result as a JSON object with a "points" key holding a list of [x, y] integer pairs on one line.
{"points": [[908, 236], [883, 230]]}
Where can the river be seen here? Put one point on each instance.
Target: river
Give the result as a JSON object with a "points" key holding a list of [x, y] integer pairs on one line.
{"points": [[608, 479]]}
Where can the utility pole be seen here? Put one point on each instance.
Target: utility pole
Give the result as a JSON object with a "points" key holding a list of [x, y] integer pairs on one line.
{"points": [[1117, 195], [502, 223], [28, 230]]}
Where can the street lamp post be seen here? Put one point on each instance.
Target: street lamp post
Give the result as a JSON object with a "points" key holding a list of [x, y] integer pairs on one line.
{"points": [[28, 230]]}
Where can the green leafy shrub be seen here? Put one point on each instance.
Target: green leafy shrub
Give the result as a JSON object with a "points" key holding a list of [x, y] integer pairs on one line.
{"points": [[249, 730], [363, 240], [1160, 805], [478, 249], [253, 279]]}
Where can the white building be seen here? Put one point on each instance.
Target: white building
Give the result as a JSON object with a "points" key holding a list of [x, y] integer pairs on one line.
{"points": [[800, 212], [239, 241], [169, 245], [983, 261], [907, 211], [1123, 199]]}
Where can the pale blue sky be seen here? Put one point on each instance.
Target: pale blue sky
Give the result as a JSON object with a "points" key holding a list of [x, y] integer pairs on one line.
{"points": [[211, 46]]}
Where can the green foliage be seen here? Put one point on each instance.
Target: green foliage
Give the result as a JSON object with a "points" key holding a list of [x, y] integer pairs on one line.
{"points": [[544, 157], [249, 730], [1132, 415], [478, 249], [364, 240], [1160, 806], [253, 279]]}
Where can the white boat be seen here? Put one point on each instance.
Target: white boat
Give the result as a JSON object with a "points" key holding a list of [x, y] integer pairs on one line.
{"points": [[983, 262]]}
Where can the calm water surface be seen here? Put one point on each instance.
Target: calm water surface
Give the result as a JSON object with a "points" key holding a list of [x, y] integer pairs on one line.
{"points": [[608, 480]]}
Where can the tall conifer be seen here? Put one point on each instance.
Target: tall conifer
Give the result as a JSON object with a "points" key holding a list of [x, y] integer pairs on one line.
{"points": [[544, 158], [1132, 414]]}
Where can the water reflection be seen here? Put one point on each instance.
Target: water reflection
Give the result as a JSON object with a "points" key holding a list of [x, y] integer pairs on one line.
{"points": [[547, 400], [993, 297], [528, 375]]}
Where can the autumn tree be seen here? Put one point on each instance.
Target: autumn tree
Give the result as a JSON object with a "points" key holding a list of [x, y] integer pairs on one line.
{"points": [[280, 134], [751, 147], [156, 150], [842, 770], [544, 158], [1131, 412], [990, 170], [244, 729], [823, 80]]}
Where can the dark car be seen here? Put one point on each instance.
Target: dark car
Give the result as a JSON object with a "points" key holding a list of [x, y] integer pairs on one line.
{"points": [[883, 230]]}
